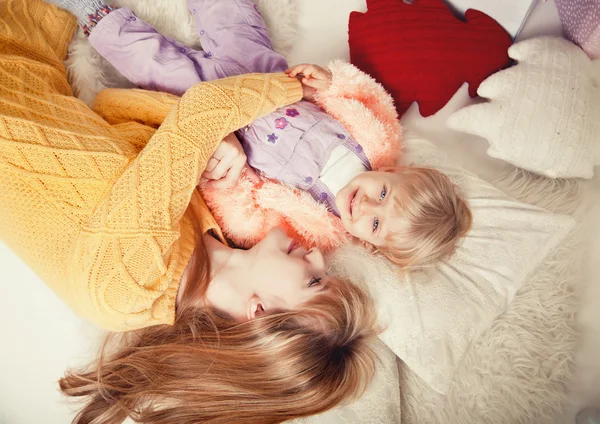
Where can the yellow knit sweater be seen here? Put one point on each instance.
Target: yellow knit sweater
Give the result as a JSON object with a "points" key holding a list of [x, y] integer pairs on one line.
{"points": [[94, 202]]}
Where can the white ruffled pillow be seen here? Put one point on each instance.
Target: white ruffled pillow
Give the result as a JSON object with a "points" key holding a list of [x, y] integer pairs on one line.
{"points": [[433, 315], [543, 114]]}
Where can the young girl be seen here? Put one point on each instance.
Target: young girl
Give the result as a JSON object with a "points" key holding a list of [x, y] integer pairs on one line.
{"points": [[414, 216], [104, 208]]}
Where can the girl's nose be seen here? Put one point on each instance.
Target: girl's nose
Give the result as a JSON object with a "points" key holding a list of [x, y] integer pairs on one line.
{"points": [[315, 258], [365, 207]]}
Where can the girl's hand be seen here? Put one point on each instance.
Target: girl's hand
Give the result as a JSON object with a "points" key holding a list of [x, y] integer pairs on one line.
{"points": [[227, 163], [313, 79]]}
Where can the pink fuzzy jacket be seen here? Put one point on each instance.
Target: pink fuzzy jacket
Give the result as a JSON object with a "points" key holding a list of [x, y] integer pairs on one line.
{"points": [[249, 210]]}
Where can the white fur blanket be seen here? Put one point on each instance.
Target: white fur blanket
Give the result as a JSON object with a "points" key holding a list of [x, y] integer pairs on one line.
{"points": [[521, 369], [518, 371]]}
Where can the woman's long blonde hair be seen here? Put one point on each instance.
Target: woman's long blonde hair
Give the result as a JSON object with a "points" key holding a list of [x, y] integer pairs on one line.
{"points": [[208, 368]]}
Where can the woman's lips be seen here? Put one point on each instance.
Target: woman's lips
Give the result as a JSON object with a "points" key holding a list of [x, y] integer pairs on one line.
{"points": [[293, 246]]}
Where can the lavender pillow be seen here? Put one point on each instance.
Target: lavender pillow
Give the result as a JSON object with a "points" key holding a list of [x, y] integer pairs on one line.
{"points": [[581, 23]]}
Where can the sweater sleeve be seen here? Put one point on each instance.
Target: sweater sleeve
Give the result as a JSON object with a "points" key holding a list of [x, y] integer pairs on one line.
{"points": [[125, 105], [361, 104], [130, 256]]}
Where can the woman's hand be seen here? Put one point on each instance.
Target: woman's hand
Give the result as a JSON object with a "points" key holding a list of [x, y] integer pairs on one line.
{"points": [[313, 79], [227, 164]]}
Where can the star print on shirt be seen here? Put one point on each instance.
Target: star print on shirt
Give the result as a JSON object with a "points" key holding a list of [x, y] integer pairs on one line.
{"points": [[272, 138]]}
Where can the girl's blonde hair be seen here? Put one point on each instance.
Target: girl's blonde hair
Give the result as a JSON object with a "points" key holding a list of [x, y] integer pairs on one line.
{"points": [[433, 215], [208, 368]]}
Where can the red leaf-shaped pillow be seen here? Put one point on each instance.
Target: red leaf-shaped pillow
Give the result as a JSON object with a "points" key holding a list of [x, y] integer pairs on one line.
{"points": [[422, 52]]}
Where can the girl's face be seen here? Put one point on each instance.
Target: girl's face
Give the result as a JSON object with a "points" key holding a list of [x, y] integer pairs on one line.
{"points": [[284, 275], [367, 207]]}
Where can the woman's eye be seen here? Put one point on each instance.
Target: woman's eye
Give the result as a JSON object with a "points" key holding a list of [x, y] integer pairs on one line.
{"points": [[375, 224], [383, 193], [314, 281]]}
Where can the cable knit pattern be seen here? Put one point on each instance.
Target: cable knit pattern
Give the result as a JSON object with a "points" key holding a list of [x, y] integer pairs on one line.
{"points": [[97, 210], [118, 106], [543, 114]]}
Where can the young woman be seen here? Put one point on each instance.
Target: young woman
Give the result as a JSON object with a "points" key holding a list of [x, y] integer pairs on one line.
{"points": [[104, 208]]}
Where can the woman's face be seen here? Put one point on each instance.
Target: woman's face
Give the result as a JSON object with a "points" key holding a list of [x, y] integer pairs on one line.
{"points": [[284, 275], [276, 274]]}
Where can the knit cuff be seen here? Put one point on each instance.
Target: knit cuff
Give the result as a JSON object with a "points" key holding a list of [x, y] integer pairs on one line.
{"points": [[292, 87], [90, 13], [111, 24]]}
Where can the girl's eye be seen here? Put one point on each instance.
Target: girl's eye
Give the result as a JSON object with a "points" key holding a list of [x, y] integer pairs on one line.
{"points": [[383, 193], [375, 224], [314, 281]]}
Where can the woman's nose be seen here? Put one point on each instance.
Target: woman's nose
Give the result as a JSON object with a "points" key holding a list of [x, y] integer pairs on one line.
{"points": [[315, 258]]}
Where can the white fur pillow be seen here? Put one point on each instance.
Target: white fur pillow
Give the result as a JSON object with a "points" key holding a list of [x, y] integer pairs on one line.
{"points": [[543, 114], [434, 314], [89, 73]]}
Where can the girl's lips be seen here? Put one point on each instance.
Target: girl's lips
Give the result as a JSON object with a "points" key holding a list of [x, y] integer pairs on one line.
{"points": [[351, 198]]}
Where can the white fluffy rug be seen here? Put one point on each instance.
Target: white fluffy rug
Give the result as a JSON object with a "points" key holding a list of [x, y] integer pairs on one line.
{"points": [[89, 73]]}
